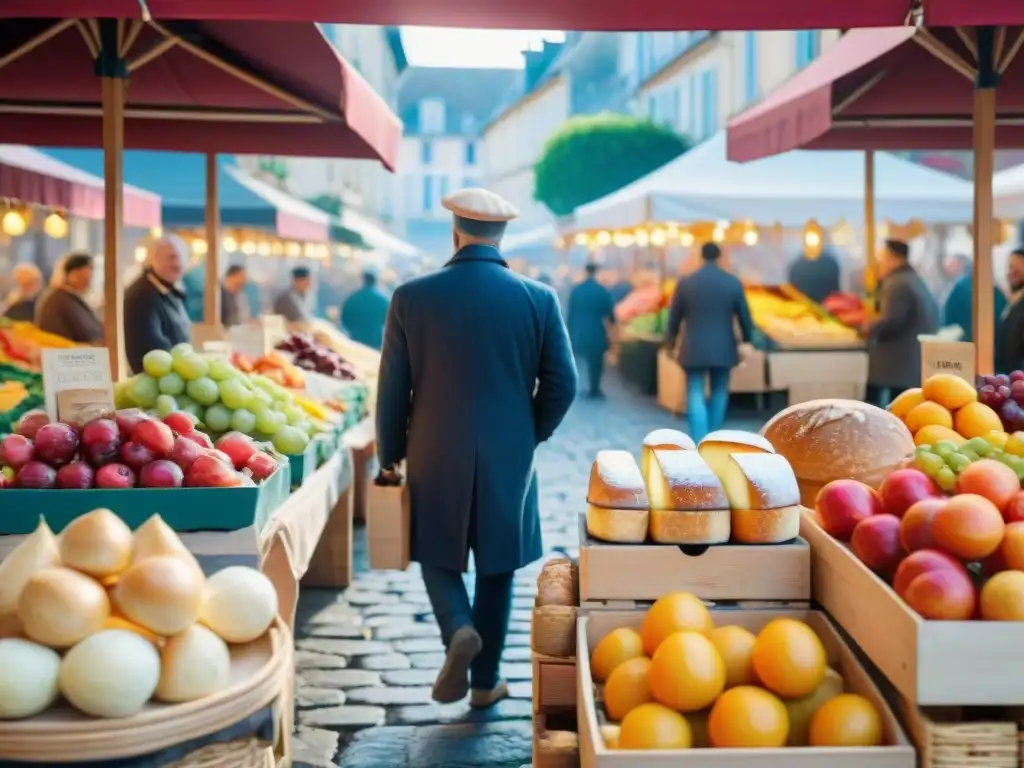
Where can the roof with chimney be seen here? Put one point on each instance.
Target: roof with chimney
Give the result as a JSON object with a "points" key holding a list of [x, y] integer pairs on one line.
{"points": [[470, 95]]}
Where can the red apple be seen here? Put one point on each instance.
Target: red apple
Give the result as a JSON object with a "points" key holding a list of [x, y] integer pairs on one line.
{"points": [[262, 465], [136, 455], [199, 438], [115, 476], [101, 440], [238, 447], [923, 561], [156, 436], [185, 452], [77, 474], [127, 420], [161, 474], [56, 444], [876, 543], [30, 422], [210, 472], [180, 422], [905, 487], [16, 451], [36, 474], [943, 595], [842, 504]]}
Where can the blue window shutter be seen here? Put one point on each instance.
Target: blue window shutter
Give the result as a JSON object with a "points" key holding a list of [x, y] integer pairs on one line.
{"points": [[751, 86], [426, 152], [444, 187], [428, 188]]}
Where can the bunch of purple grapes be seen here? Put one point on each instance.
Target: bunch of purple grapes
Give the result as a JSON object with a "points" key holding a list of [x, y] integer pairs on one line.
{"points": [[1005, 395]]}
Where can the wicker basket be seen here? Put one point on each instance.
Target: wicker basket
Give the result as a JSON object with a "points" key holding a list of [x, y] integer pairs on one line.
{"points": [[948, 737], [250, 753]]}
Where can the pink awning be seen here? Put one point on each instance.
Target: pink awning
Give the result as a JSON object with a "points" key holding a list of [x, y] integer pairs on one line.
{"points": [[35, 178], [881, 89], [611, 15]]}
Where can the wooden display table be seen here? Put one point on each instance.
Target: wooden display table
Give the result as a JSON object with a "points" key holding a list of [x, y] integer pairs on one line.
{"points": [[749, 378], [362, 441], [812, 375]]}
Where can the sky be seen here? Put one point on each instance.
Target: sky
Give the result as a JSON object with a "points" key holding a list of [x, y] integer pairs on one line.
{"points": [[455, 47]]}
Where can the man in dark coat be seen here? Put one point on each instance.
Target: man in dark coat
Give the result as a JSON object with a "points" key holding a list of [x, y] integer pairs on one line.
{"points": [[1010, 339], [63, 309], [906, 310], [155, 316], [817, 277], [476, 371], [234, 304], [364, 313], [20, 303], [710, 301], [591, 313], [293, 304]]}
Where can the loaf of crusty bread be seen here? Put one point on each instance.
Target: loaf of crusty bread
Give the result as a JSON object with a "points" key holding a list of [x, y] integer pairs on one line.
{"points": [[555, 585], [683, 481], [759, 481], [711, 526], [663, 440], [716, 448], [766, 526], [617, 499]]}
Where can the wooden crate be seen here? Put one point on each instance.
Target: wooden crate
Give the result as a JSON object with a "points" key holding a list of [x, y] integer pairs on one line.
{"points": [[553, 630], [639, 572], [952, 737], [931, 663], [555, 740], [898, 752], [554, 683]]}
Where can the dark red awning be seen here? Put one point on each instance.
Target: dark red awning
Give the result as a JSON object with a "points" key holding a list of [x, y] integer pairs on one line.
{"points": [[611, 15], [960, 13], [245, 87], [882, 89]]}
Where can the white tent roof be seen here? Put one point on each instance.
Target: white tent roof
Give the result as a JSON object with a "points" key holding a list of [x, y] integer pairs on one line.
{"points": [[542, 236], [789, 188], [1008, 188], [375, 235]]}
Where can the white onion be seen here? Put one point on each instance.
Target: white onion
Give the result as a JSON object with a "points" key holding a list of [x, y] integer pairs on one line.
{"points": [[59, 607], [163, 594], [29, 676], [155, 538], [36, 551], [98, 543], [239, 604], [193, 664], [110, 674]]}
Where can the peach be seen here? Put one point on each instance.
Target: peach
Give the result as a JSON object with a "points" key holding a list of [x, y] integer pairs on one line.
{"points": [[1014, 511], [987, 477], [945, 595], [1002, 597], [1012, 547], [842, 504], [876, 543], [923, 561], [976, 420], [916, 525], [905, 487], [993, 564], [969, 527]]}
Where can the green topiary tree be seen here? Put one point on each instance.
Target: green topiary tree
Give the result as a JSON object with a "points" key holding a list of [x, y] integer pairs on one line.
{"points": [[594, 155]]}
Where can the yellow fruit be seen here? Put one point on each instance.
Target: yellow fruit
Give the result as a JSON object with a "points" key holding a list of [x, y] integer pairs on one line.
{"points": [[610, 734], [848, 720], [976, 420], [789, 659], [674, 612], [736, 647], [905, 402], [998, 438], [1002, 597], [627, 687], [616, 647], [802, 710], [949, 391], [928, 414], [1015, 444], [652, 726], [747, 716], [687, 672], [934, 433]]}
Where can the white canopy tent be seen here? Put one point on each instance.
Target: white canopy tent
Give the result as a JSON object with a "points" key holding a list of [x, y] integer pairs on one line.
{"points": [[788, 189], [1008, 190], [527, 239]]}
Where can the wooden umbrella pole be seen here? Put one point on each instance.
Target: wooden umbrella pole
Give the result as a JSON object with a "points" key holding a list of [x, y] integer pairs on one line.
{"points": [[110, 67], [984, 151], [211, 301], [870, 246]]}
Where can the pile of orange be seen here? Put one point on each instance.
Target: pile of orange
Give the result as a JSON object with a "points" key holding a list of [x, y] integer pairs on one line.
{"points": [[681, 682]]}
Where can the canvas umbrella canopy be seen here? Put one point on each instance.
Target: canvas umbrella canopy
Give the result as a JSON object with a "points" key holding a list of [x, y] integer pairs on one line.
{"points": [[905, 88], [608, 15], [208, 86]]}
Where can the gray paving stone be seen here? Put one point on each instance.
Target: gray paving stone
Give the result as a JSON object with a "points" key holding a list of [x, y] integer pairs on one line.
{"points": [[407, 631], [509, 709], [426, 660], [521, 627], [523, 690], [312, 660], [343, 717], [360, 598], [515, 672], [522, 603], [337, 613], [410, 677], [341, 678], [314, 747], [384, 661], [517, 640], [388, 621], [307, 697], [424, 645], [523, 615], [386, 747], [394, 609], [472, 746], [346, 631], [390, 696], [342, 647], [515, 654]]}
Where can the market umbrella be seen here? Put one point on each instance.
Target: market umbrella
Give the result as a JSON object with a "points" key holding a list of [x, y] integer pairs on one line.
{"points": [[905, 88], [211, 86], [609, 15]]}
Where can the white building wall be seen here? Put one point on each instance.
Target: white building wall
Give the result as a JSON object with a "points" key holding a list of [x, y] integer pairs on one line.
{"points": [[431, 167]]}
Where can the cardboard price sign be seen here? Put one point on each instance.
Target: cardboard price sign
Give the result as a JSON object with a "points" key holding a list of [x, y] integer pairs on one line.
{"points": [[77, 386], [955, 357]]}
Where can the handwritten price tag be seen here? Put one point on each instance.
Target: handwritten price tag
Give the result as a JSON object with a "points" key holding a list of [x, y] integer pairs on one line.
{"points": [[77, 384]]}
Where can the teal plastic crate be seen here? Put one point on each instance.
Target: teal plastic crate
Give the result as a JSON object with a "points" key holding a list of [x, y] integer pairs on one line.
{"points": [[306, 463], [183, 509]]}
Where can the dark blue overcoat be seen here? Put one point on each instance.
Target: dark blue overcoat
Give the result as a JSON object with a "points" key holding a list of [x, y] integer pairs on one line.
{"points": [[708, 302], [590, 307], [363, 315], [475, 372]]}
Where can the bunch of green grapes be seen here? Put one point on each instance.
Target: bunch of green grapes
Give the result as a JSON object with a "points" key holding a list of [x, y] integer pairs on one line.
{"points": [[945, 460]]}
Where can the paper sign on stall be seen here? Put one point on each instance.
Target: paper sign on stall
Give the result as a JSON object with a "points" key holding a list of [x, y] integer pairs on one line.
{"points": [[274, 331], [77, 387], [954, 357]]}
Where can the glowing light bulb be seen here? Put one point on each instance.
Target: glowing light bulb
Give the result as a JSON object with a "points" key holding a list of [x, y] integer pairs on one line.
{"points": [[248, 247], [643, 237], [658, 237], [750, 237], [199, 246], [14, 223], [686, 239], [581, 239], [263, 249], [56, 226], [812, 239], [718, 235], [603, 238]]}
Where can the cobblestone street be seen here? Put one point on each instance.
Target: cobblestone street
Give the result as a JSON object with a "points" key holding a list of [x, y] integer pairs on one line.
{"points": [[367, 657]]}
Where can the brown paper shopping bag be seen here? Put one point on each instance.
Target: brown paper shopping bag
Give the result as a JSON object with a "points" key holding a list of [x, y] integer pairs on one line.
{"points": [[388, 526]]}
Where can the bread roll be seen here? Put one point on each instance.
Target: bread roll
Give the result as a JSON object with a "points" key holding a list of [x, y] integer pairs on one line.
{"points": [[766, 526], [663, 440], [759, 481], [555, 584], [669, 526], [683, 481], [716, 448], [617, 499], [825, 440]]}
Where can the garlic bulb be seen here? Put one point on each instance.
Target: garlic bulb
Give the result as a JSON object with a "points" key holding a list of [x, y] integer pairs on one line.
{"points": [[98, 543], [193, 664], [36, 551], [163, 594], [28, 678], [239, 603], [59, 606], [110, 674], [155, 538]]}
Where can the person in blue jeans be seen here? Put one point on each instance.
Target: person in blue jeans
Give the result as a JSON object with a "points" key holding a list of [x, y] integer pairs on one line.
{"points": [[707, 306]]}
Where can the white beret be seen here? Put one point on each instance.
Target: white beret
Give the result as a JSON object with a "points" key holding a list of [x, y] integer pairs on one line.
{"points": [[479, 205]]}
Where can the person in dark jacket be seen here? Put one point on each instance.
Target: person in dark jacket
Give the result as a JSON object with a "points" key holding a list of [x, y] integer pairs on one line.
{"points": [[590, 315], [906, 310], [20, 303], [155, 316], [710, 301], [63, 309], [364, 312], [293, 304], [234, 304], [959, 304], [476, 371], [815, 277], [1010, 340]]}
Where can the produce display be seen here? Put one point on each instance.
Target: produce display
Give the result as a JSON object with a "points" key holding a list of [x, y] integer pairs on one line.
{"points": [[681, 682], [312, 355], [132, 449], [792, 320], [1004, 393], [108, 620], [848, 309], [648, 301], [22, 342], [733, 486], [21, 390], [274, 366]]}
